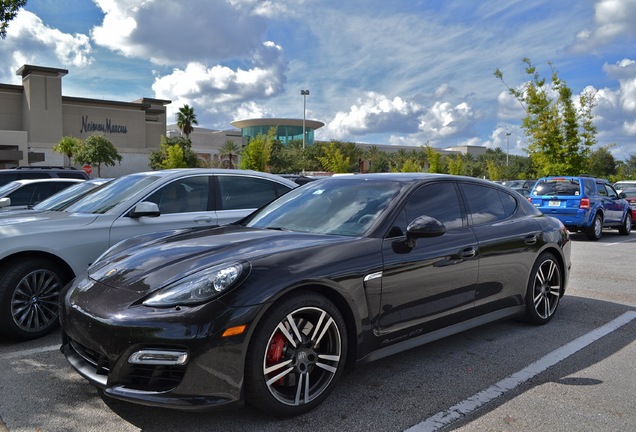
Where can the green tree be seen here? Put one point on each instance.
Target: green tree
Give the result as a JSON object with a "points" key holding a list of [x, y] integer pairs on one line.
{"points": [[434, 160], [186, 119], [97, 150], [257, 153], [334, 160], [560, 135], [495, 171], [8, 11], [602, 162], [164, 157], [67, 146], [411, 165], [231, 151], [455, 165]]}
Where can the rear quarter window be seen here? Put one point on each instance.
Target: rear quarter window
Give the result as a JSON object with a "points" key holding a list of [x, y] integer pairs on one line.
{"points": [[487, 204]]}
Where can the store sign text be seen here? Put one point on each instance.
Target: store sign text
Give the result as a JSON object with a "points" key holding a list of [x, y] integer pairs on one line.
{"points": [[107, 127]]}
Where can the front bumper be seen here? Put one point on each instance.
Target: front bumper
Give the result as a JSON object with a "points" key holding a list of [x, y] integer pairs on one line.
{"points": [[99, 348]]}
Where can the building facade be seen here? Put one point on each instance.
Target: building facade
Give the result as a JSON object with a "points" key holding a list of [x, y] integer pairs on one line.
{"points": [[34, 117]]}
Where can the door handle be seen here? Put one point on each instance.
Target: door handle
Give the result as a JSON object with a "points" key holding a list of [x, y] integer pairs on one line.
{"points": [[530, 239], [468, 252]]}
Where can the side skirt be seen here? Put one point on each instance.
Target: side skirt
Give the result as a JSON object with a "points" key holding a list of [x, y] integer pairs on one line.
{"points": [[443, 332]]}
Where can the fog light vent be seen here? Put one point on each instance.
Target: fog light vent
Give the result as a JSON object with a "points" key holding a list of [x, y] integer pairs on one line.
{"points": [[159, 357]]}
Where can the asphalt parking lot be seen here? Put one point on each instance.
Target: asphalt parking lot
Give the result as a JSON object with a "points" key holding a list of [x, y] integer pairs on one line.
{"points": [[576, 373]]}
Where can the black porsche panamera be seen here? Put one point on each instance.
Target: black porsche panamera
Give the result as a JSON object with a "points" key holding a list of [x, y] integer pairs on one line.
{"points": [[271, 310]]}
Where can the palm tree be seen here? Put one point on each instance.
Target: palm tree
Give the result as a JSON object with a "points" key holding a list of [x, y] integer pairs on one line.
{"points": [[230, 150], [186, 118]]}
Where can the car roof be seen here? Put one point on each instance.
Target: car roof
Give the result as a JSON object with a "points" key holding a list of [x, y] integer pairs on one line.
{"points": [[48, 180]]}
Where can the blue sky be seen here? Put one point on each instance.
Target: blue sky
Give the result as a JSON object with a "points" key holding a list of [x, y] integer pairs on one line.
{"points": [[401, 72]]}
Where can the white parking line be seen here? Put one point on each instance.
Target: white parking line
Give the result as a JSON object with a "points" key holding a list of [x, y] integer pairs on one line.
{"points": [[467, 406], [630, 240], [26, 353]]}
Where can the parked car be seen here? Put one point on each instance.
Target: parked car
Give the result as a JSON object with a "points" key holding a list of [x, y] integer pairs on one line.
{"points": [[583, 203], [300, 179], [42, 252], [60, 199], [21, 194], [34, 172], [624, 184], [340, 271], [630, 197], [517, 184]]}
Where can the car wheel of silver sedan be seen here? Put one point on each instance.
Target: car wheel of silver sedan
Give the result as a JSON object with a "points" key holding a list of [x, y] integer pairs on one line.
{"points": [[544, 289], [29, 298], [296, 355]]}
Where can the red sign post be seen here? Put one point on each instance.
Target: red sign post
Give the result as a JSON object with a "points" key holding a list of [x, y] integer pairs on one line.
{"points": [[87, 169]]}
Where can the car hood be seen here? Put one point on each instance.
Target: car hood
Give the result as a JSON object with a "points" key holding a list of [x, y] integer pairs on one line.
{"points": [[149, 266], [32, 222]]}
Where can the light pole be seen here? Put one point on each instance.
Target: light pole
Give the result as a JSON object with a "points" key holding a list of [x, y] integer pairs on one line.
{"points": [[507, 146], [304, 94]]}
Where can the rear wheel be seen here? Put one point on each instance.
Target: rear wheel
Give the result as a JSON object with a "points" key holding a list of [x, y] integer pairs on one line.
{"points": [[626, 227], [296, 356], [544, 289], [29, 298], [595, 231]]}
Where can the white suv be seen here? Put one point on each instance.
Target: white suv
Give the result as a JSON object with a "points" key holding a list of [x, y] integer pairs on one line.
{"points": [[40, 253]]}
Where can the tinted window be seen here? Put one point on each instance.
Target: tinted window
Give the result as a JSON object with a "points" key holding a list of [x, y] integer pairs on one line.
{"points": [[439, 200], [566, 187], [73, 174], [190, 194], [245, 192], [486, 204]]}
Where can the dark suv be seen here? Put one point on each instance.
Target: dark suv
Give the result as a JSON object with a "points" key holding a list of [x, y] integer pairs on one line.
{"points": [[37, 172], [583, 203]]}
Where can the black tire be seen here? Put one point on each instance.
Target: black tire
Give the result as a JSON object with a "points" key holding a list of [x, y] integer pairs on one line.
{"points": [[290, 368], [544, 289], [595, 231], [29, 298], [626, 227]]}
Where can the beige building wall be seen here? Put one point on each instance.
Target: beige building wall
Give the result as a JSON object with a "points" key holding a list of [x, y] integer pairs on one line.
{"points": [[35, 116]]}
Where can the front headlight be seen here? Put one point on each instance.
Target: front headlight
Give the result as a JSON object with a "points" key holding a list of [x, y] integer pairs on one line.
{"points": [[199, 287]]}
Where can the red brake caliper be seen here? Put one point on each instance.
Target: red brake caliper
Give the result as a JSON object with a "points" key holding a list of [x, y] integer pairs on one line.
{"points": [[275, 351]]}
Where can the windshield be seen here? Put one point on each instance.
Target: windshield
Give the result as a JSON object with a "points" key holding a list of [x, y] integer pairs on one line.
{"points": [[66, 196], [332, 206], [8, 188], [112, 194]]}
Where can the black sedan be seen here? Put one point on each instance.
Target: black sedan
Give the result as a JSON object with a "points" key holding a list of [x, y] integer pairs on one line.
{"points": [[272, 309]]}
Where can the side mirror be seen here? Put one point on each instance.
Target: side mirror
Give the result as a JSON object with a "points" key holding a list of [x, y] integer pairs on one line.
{"points": [[145, 208], [421, 227], [5, 202], [622, 195]]}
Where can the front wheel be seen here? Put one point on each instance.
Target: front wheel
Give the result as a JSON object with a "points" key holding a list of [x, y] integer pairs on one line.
{"points": [[544, 289], [296, 356], [626, 227], [29, 296]]}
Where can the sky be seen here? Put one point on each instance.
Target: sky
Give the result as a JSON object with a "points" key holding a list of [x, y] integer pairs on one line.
{"points": [[399, 72]]}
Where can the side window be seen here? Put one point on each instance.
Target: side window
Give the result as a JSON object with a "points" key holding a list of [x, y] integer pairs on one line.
{"points": [[601, 189], [190, 194], [22, 196], [486, 204], [238, 193], [438, 200], [42, 191]]}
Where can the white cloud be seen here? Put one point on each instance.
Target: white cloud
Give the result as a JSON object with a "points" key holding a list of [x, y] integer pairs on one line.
{"points": [[167, 32], [30, 41], [221, 90], [374, 113], [612, 19]]}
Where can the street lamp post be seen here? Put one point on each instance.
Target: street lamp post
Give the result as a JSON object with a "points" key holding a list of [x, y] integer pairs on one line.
{"points": [[304, 94], [507, 146]]}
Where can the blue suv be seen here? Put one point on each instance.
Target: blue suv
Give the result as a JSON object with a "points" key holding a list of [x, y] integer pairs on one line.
{"points": [[583, 203]]}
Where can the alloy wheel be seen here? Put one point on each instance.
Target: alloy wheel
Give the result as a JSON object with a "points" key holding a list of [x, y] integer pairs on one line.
{"points": [[547, 288], [302, 356], [34, 304]]}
